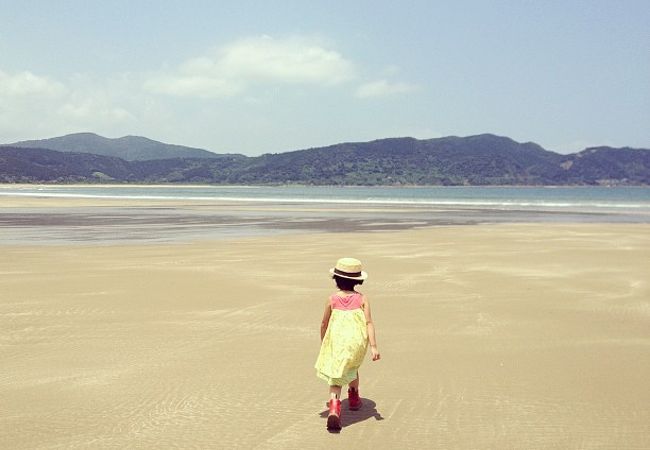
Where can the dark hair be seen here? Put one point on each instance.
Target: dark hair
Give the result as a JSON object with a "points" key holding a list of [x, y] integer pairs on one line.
{"points": [[346, 284]]}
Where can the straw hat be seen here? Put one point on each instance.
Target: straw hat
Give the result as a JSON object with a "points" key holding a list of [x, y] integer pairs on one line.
{"points": [[349, 268]]}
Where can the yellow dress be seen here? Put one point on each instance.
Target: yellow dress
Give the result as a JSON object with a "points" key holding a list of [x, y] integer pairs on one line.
{"points": [[345, 342]]}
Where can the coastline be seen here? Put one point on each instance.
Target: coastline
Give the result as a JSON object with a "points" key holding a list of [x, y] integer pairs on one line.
{"points": [[299, 185], [65, 220]]}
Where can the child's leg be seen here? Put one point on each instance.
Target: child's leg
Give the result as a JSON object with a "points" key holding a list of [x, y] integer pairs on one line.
{"points": [[335, 392], [354, 401], [354, 384]]}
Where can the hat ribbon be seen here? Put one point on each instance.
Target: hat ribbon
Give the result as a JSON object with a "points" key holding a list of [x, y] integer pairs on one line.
{"points": [[347, 274]]}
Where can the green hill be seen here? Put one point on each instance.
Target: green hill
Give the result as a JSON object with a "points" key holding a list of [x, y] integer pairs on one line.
{"points": [[484, 159], [130, 148], [476, 160]]}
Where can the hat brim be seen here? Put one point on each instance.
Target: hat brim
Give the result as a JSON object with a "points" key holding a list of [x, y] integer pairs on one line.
{"points": [[361, 277]]}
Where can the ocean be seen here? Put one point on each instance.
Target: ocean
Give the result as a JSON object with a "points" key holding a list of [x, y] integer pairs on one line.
{"points": [[190, 213], [567, 199]]}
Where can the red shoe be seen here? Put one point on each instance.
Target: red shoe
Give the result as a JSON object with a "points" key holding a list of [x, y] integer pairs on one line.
{"points": [[354, 402], [334, 418]]}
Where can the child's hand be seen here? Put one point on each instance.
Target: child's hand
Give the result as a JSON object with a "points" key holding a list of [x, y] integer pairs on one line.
{"points": [[375, 353]]}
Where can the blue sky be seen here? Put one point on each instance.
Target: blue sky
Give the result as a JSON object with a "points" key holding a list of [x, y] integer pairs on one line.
{"points": [[257, 77]]}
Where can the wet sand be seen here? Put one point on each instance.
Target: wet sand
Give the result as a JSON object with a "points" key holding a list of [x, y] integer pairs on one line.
{"points": [[105, 221], [492, 336]]}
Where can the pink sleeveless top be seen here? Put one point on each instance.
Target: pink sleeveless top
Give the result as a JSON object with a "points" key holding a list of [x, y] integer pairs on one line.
{"points": [[346, 303]]}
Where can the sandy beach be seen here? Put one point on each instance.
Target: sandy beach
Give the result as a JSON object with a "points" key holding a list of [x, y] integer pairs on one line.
{"points": [[500, 336]]}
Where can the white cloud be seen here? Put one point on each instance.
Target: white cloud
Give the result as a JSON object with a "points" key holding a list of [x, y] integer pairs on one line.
{"points": [[35, 106], [259, 60], [200, 86], [292, 60], [92, 111], [27, 84], [253, 71], [383, 88]]}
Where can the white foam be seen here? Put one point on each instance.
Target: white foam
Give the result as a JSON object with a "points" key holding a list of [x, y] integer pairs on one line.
{"points": [[459, 203]]}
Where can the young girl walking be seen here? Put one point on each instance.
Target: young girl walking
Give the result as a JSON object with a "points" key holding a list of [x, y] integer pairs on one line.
{"points": [[345, 332]]}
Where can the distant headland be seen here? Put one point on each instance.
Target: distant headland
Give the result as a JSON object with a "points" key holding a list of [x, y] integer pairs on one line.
{"points": [[480, 160]]}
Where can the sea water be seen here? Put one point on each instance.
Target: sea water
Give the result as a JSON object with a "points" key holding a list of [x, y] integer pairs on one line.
{"points": [[214, 212], [562, 199]]}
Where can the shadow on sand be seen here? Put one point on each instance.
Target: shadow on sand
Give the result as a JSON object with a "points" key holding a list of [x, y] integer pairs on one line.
{"points": [[368, 410]]}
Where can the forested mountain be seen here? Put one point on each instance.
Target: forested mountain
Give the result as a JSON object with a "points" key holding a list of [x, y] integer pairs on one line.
{"points": [[475, 160], [609, 165], [130, 148], [42, 165], [34, 165], [483, 159]]}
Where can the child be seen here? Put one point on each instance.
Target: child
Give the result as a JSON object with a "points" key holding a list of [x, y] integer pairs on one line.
{"points": [[345, 332]]}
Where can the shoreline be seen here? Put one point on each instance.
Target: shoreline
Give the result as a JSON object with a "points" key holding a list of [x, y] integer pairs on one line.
{"points": [[350, 186], [105, 221]]}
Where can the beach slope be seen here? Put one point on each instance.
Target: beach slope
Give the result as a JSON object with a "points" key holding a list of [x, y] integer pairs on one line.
{"points": [[492, 336]]}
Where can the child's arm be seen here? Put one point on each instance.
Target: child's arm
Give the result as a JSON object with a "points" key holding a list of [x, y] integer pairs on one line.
{"points": [[371, 330], [326, 320]]}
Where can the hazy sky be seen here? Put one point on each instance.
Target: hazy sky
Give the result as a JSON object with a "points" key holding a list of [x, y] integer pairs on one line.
{"points": [[271, 76]]}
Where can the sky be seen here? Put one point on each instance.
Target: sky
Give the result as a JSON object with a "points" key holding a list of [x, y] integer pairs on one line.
{"points": [[258, 77]]}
